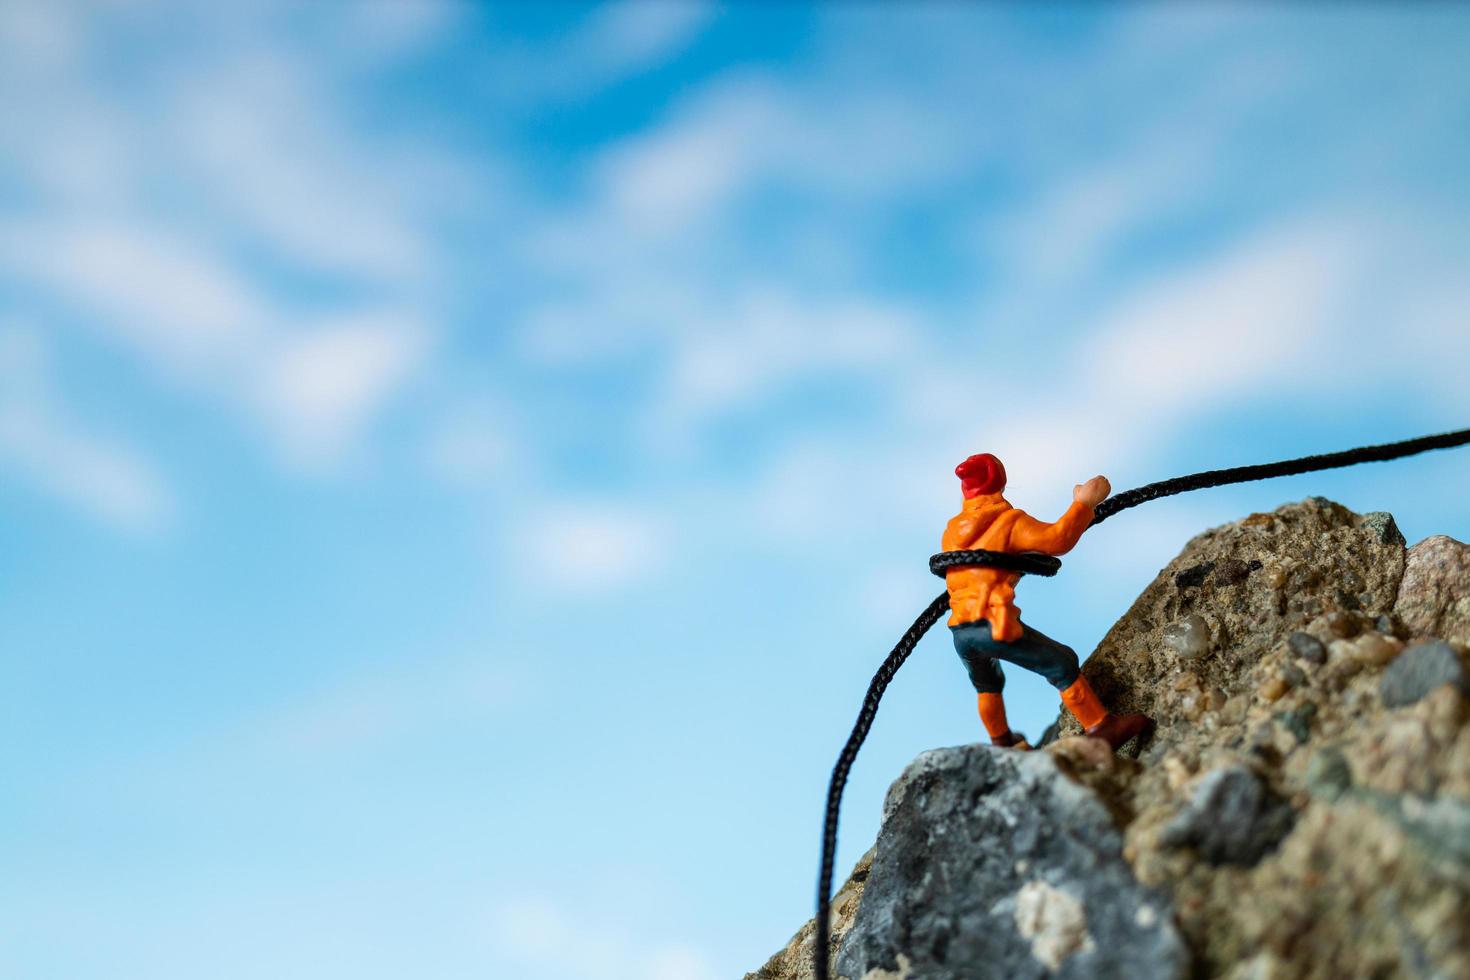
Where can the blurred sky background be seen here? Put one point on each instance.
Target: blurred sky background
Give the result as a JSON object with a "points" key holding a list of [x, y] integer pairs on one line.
{"points": [[460, 466]]}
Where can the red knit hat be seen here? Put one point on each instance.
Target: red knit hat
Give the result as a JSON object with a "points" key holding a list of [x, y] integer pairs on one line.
{"points": [[981, 474]]}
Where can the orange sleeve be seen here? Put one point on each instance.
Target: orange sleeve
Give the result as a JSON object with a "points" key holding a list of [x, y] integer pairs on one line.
{"points": [[1029, 534]]}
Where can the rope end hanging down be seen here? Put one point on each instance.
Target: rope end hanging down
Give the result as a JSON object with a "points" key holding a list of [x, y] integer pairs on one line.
{"points": [[843, 768], [980, 473]]}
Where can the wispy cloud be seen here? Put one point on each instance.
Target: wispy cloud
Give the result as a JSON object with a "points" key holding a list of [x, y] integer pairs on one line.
{"points": [[41, 441], [322, 387], [595, 547], [262, 173]]}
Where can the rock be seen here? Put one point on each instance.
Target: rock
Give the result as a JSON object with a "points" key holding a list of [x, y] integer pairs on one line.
{"points": [[1306, 647], [1322, 834], [1298, 721], [1419, 670], [1231, 818], [1388, 624], [1189, 637], [1381, 523], [794, 962], [1434, 597], [1082, 753], [1194, 576], [1375, 649], [1328, 555], [1328, 774], [1342, 624], [995, 863], [1273, 688]]}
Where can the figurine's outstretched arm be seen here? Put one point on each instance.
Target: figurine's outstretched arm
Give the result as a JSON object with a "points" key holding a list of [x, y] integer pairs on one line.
{"points": [[1029, 534]]}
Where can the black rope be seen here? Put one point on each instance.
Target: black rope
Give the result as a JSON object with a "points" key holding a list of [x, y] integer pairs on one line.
{"points": [[1027, 563], [1286, 467], [845, 759], [1046, 565]]}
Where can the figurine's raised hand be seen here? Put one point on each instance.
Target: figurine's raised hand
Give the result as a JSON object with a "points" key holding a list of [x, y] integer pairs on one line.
{"points": [[1093, 492]]}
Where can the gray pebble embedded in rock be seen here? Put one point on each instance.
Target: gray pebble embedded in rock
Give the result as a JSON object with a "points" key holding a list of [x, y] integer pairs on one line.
{"points": [[1231, 818], [1305, 646], [994, 863], [1381, 523], [1328, 774], [1419, 670], [1189, 637]]}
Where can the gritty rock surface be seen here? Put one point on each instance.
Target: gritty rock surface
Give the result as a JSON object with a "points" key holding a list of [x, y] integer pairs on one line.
{"points": [[795, 961], [1231, 818], [1315, 688], [995, 863], [1434, 597]]}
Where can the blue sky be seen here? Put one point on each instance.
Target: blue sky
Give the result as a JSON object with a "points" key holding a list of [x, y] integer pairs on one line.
{"points": [[460, 466]]}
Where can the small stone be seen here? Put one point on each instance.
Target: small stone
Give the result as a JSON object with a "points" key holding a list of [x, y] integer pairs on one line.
{"points": [[1176, 772], [1273, 688], [1189, 637], [1293, 675], [1185, 681], [1376, 649], [1328, 773], [1389, 625], [1381, 523], [1215, 699], [1298, 721], [1342, 624], [1231, 818], [1419, 670], [1053, 921], [1235, 709], [1233, 571], [1306, 647], [1083, 752], [1275, 576], [1194, 576]]}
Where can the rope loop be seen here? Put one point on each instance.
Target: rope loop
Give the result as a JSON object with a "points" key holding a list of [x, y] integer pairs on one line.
{"points": [[1026, 563]]}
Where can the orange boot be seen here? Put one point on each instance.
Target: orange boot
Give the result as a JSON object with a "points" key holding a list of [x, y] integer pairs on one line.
{"points": [[1097, 721], [993, 717]]}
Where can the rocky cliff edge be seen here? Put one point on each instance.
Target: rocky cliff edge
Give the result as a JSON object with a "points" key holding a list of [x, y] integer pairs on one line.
{"points": [[1301, 810]]}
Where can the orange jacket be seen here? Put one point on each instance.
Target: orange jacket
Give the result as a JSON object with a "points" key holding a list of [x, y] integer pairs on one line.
{"points": [[990, 523]]}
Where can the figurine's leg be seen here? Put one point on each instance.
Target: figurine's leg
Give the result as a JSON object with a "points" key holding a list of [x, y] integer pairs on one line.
{"points": [[1058, 663], [971, 641]]}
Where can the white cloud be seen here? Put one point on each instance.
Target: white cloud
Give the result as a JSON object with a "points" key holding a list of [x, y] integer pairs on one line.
{"points": [[321, 387], [769, 339], [317, 384], [261, 168], [284, 167], [162, 295], [40, 440], [1220, 329], [745, 132], [396, 29], [472, 446], [592, 547], [629, 35]]}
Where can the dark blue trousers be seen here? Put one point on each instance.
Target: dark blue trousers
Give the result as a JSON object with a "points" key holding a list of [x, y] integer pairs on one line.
{"points": [[1034, 650]]}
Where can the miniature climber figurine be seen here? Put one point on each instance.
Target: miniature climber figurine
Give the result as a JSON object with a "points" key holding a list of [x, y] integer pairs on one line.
{"points": [[985, 621]]}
